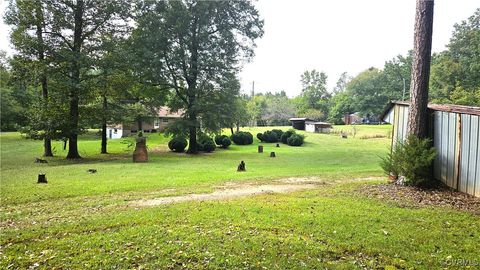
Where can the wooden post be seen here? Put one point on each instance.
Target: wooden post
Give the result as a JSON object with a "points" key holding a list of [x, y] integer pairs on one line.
{"points": [[260, 149], [42, 179], [278, 145], [458, 152], [272, 154]]}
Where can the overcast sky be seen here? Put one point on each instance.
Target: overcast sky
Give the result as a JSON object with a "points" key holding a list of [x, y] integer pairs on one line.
{"points": [[332, 36]]}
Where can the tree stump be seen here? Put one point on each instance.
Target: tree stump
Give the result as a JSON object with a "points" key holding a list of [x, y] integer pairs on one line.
{"points": [[42, 178], [278, 145], [260, 149], [241, 167], [272, 154], [344, 135], [140, 154]]}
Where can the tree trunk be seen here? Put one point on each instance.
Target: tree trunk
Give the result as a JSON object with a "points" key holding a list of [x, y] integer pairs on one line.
{"points": [[418, 112], [75, 76], [139, 124], [238, 126], [192, 132], [104, 126], [73, 132], [47, 143], [231, 130]]}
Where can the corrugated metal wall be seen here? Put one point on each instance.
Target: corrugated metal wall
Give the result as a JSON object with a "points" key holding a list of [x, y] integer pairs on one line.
{"points": [[457, 140]]}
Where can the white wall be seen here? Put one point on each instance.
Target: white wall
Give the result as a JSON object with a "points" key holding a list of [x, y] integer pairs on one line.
{"points": [[309, 127], [114, 133]]}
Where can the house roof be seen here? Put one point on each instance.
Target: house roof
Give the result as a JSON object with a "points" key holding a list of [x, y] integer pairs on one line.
{"points": [[319, 123], [165, 111], [436, 107], [299, 119]]}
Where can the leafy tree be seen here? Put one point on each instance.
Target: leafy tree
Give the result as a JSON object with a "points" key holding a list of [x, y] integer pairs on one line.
{"points": [[367, 92], [75, 32], [341, 84], [190, 47], [396, 77], [279, 108], [314, 96], [455, 72], [28, 20]]}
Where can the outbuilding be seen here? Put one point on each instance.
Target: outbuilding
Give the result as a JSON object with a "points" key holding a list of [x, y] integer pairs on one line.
{"points": [[317, 127], [299, 123], [455, 131]]}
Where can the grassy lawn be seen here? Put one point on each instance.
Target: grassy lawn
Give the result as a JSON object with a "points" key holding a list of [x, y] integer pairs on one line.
{"points": [[81, 221]]}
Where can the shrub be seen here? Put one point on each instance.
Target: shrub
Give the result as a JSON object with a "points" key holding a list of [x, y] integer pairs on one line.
{"points": [[208, 146], [391, 163], [205, 143], [415, 159], [270, 136], [242, 138], [278, 133], [219, 139], [177, 144], [226, 142], [260, 137], [287, 134], [295, 140]]}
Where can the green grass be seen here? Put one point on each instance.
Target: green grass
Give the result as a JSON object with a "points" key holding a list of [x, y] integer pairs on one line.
{"points": [[81, 221]]}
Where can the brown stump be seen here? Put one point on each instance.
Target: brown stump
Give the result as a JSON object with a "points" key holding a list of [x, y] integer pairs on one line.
{"points": [[140, 154], [42, 179], [272, 154], [241, 167], [278, 145], [260, 149]]}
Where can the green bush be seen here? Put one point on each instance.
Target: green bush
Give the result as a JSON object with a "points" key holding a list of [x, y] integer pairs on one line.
{"points": [[242, 138], [204, 143], [177, 144], [208, 146], [295, 140], [278, 133], [391, 163], [287, 134], [226, 142], [270, 136], [219, 139], [415, 160], [260, 137]]}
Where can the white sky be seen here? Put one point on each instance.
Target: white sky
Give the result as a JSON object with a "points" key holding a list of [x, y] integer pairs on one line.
{"points": [[332, 36]]}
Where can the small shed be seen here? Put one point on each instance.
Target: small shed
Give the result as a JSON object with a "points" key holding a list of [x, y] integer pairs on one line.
{"points": [[317, 127], [299, 123], [455, 131]]}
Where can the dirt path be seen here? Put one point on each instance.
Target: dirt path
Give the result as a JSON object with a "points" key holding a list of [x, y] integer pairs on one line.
{"points": [[234, 190]]}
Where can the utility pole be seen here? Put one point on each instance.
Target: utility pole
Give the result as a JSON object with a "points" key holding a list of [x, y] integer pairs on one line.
{"points": [[253, 89]]}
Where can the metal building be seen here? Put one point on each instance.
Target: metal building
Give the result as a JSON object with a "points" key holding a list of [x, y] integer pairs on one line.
{"points": [[455, 131]]}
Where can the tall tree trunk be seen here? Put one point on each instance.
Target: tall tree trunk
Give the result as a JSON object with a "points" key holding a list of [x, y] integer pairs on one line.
{"points": [[140, 124], [192, 130], [73, 132], [75, 76], [47, 143], [231, 130], [418, 113], [104, 126]]}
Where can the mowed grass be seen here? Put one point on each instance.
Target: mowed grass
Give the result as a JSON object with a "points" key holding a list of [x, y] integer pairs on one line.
{"points": [[85, 221], [326, 156]]}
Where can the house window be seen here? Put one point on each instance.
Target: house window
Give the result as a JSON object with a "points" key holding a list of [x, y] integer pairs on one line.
{"points": [[165, 120], [115, 131], [156, 123]]}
